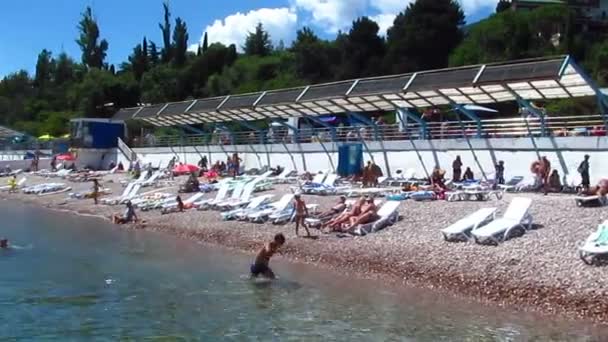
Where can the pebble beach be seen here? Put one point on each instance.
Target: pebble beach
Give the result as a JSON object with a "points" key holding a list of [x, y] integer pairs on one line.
{"points": [[539, 271]]}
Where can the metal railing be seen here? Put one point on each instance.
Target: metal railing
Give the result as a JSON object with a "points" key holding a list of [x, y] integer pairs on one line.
{"points": [[591, 125]]}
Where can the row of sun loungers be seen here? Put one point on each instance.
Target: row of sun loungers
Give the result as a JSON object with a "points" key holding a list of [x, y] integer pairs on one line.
{"points": [[46, 188], [20, 184]]}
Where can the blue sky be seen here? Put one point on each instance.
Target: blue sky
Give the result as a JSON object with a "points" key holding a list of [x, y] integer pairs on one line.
{"points": [[28, 26]]}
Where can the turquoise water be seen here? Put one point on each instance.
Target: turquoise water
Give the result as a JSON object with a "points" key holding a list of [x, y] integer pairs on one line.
{"points": [[79, 279]]}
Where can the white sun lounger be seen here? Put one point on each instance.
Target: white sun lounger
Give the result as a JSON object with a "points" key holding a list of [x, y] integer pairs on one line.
{"points": [[511, 184], [460, 229], [191, 200], [247, 192], [591, 201], [152, 179], [239, 188], [516, 218], [131, 194], [387, 214], [220, 196], [273, 208], [282, 177], [254, 204], [116, 200], [595, 246]]}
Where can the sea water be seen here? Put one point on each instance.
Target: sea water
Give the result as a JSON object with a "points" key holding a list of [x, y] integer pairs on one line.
{"points": [[80, 279]]}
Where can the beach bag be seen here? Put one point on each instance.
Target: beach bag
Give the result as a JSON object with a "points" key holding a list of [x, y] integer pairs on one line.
{"points": [[398, 197]]}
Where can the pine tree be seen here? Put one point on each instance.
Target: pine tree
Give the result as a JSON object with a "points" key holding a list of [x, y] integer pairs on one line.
{"points": [[180, 42], [44, 69], [166, 53], [144, 48], [153, 55], [205, 43], [93, 53], [258, 42]]}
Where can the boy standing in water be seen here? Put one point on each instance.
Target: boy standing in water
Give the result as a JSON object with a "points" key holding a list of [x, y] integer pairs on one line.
{"points": [[260, 266], [301, 213], [3, 243]]}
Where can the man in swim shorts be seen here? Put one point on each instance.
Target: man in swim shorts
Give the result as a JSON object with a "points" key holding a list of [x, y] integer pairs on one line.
{"points": [[260, 265], [335, 210], [3, 243], [129, 215]]}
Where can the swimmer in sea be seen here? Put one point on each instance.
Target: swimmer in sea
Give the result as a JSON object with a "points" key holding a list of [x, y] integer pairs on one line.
{"points": [[260, 266], [3, 243]]}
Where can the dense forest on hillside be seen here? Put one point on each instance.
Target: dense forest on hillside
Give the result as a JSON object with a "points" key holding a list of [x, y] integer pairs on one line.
{"points": [[428, 34]]}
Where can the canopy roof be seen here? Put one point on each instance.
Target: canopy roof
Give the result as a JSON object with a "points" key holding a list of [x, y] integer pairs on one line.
{"points": [[6, 133], [531, 79]]}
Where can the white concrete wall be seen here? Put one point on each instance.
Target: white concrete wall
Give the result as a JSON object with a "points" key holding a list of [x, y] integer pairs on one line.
{"points": [[564, 153]]}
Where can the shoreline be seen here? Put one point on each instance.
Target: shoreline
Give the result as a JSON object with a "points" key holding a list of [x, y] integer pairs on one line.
{"points": [[365, 258]]}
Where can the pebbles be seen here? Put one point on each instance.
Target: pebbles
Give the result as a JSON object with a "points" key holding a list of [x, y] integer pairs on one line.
{"points": [[540, 270]]}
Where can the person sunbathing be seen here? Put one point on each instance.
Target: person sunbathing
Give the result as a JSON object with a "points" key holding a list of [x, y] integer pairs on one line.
{"points": [[369, 213], [599, 190], [335, 210], [345, 217]]}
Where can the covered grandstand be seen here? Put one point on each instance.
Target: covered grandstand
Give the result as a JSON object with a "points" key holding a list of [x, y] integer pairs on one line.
{"points": [[522, 81]]}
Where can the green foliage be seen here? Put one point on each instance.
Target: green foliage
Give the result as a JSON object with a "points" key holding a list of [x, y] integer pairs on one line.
{"points": [[180, 42], [363, 50], [424, 35], [503, 5], [258, 42], [93, 53], [165, 28], [514, 35]]}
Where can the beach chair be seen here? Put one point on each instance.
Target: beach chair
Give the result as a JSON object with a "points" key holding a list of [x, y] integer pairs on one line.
{"points": [[387, 215], [221, 195], [131, 194], [595, 248], [511, 184], [324, 188], [234, 203], [237, 192], [282, 177], [188, 203], [280, 206], [255, 204], [517, 219], [591, 201], [116, 200], [459, 230], [150, 181]]}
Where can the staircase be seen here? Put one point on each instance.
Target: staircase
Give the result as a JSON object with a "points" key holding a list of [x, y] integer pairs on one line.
{"points": [[126, 150]]}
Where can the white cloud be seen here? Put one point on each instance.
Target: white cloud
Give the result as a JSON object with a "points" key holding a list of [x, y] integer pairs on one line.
{"points": [[332, 15], [390, 6], [384, 21], [280, 23], [474, 6]]}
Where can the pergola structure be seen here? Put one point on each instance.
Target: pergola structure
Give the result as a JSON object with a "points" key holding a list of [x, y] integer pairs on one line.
{"points": [[522, 80]]}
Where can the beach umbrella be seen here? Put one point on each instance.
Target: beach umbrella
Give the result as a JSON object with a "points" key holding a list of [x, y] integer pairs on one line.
{"points": [[66, 157], [46, 137], [186, 168]]}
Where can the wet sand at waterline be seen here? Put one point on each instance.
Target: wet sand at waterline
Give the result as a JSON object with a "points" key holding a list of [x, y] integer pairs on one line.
{"points": [[539, 271]]}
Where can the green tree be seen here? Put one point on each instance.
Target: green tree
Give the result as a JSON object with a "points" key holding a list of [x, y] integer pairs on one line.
{"points": [[503, 5], [153, 54], [65, 70], [93, 50], [44, 69], [205, 43], [598, 63], [363, 50], [424, 35], [138, 62], [515, 35], [166, 53], [258, 42], [180, 42], [311, 58]]}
